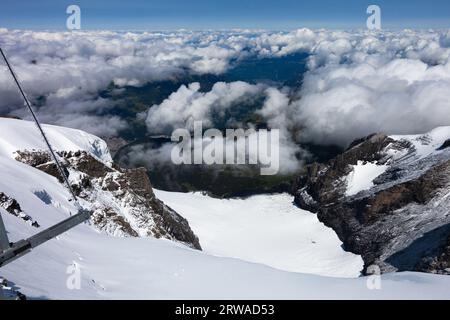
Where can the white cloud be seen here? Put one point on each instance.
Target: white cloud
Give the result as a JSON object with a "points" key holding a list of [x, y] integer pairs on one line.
{"points": [[342, 103], [189, 103], [361, 82], [75, 66], [358, 82]]}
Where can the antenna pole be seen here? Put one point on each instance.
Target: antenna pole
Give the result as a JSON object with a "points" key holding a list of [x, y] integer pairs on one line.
{"points": [[22, 247], [52, 153], [4, 242], [11, 251]]}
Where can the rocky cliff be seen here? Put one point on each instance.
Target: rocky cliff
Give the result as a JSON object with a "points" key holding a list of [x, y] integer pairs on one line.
{"points": [[388, 199], [122, 201]]}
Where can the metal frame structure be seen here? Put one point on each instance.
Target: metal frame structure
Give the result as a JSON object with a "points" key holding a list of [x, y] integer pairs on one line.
{"points": [[12, 251], [16, 250]]}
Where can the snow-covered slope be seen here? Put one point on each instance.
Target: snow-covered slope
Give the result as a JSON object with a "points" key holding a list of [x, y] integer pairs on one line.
{"points": [[122, 201], [23, 135], [145, 268], [137, 268], [22, 182], [424, 144], [362, 176], [266, 229], [388, 199]]}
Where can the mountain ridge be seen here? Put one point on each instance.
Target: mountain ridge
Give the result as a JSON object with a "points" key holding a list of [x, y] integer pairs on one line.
{"points": [[390, 223], [122, 200]]}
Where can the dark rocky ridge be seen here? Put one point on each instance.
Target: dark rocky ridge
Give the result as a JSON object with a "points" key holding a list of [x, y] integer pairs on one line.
{"points": [[445, 145], [13, 207], [122, 200], [402, 222], [8, 291]]}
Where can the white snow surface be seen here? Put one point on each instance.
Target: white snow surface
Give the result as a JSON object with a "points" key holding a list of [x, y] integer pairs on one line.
{"points": [[146, 268], [427, 143], [267, 229], [362, 176], [24, 135]]}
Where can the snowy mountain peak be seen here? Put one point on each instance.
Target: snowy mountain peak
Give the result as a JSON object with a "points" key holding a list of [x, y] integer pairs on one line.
{"points": [[122, 201], [387, 199], [23, 135], [421, 145]]}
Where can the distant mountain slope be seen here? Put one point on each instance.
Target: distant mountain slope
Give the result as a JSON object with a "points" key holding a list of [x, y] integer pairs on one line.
{"points": [[387, 198]]}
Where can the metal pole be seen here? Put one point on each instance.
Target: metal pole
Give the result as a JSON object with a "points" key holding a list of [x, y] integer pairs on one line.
{"points": [[4, 242], [22, 247], [27, 103], [10, 252]]}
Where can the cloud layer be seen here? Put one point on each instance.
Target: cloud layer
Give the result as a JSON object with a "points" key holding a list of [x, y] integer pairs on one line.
{"points": [[70, 68], [357, 82], [189, 104], [403, 96]]}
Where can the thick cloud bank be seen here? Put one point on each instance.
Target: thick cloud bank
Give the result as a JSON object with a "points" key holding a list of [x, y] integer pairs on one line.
{"points": [[357, 82], [360, 83], [68, 69], [189, 104], [402, 96]]}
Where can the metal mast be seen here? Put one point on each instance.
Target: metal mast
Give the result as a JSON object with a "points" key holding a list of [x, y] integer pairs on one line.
{"points": [[11, 251], [50, 149]]}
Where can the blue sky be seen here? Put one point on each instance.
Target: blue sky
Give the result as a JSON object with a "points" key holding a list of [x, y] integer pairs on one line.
{"points": [[219, 14]]}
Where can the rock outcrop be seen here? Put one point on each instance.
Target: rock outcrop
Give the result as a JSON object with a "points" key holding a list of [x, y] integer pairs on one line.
{"points": [[8, 291], [401, 220], [13, 207], [122, 201]]}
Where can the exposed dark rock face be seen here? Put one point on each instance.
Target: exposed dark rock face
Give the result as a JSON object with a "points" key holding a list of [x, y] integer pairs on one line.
{"points": [[440, 263], [8, 291], [114, 144], [13, 207], [445, 145], [10, 117], [122, 200], [40, 160], [400, 223], [323, 182]]}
